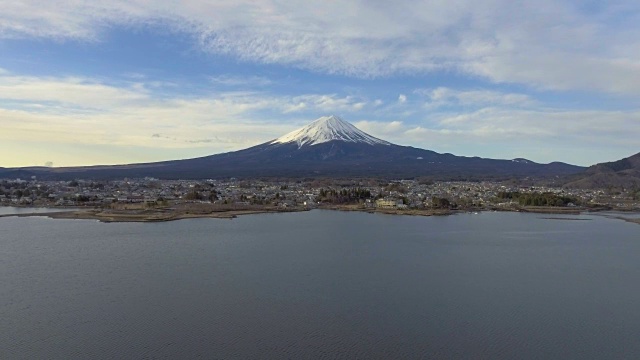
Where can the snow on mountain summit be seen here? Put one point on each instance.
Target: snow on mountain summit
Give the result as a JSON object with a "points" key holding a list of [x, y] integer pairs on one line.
{"points": [[325, 129]]}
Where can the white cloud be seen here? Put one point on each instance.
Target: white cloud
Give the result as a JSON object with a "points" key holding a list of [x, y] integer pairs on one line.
{"points": [[81, 92], [580, 137], [402, 98], [325, 103], [81, 111], [443, 96], [247, 81], [77, 112], [544, 43]]}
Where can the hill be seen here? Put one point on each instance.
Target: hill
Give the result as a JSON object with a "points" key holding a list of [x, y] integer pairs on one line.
{"points": [[624, 173], [327, 147]]}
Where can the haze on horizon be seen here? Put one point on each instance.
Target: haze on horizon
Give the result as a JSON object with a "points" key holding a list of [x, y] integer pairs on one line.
{"points": [[83, 82]]}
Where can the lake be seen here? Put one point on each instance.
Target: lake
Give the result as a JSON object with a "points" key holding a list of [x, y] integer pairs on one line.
{"points": [[322, 284], [8, 210]]}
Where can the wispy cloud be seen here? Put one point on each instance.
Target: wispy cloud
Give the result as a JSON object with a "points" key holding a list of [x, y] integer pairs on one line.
{"points": [[581, 137], [240, 81], [327, 103], [545, 44], [447, 97], [75, 110], [81, 92]]}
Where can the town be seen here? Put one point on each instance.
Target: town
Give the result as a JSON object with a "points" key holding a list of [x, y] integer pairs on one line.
{"points": [[307, 194]]}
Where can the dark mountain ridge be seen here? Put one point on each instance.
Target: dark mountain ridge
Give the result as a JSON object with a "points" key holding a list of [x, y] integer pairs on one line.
{"points": [[328, 147], [624, 173]]}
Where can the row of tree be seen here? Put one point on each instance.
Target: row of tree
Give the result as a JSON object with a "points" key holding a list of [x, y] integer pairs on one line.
{"points": [[538, 199], [343, 196]]}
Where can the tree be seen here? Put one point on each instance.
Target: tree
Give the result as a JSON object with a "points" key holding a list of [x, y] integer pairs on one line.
{"points": [[193, 195], [440, 203]]}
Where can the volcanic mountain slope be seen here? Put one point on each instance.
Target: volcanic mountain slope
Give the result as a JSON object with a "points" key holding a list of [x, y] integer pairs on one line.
{"points": [[327, 147], [622, 173], [326, 129]]}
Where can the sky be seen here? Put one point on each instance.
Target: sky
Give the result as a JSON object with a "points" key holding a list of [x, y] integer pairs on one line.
{"points": [[89, 82]]}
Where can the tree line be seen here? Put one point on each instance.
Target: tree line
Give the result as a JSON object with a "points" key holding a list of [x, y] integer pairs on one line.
{"points": [[537, 199], [343, 196]]}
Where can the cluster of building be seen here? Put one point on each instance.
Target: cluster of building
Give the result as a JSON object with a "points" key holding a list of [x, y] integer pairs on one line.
{"points": [[400, 194]]}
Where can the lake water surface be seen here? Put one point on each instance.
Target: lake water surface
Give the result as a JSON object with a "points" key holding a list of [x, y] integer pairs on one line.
{"points": [[321, 284], [9, 210]]}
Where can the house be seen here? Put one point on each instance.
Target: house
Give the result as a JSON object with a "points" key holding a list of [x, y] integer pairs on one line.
{"points": [[385, 204]]}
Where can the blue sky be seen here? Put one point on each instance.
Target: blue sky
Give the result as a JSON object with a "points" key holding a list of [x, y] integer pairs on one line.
{"points": [[133, 81]]}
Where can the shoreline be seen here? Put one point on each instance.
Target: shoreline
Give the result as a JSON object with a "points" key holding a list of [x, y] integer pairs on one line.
{"points": [[143, 217], [630, 220], [196, 211]]}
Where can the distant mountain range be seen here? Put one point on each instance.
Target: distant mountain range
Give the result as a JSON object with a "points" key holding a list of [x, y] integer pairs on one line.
{"points": [[327, 147], [622, 173]]}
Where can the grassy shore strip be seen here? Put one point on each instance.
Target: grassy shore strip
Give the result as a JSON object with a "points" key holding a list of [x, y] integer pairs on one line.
{"points": [[108, 216], [550, 210], [194, 211], [412, 212], [631, 220], [565, 219]]}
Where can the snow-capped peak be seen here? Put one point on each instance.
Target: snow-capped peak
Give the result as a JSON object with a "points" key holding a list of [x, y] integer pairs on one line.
{"points": [[325, 129]]}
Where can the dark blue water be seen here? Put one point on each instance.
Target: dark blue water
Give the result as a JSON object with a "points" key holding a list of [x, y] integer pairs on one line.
{"points": [[8, 210], [321, 284]]}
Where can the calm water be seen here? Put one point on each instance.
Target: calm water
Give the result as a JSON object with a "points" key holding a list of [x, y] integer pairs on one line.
{"points": [[321, 284], [8, 210]]}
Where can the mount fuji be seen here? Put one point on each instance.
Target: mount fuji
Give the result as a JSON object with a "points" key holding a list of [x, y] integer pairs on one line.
{"points": [[325, 129], [327, 147]]}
